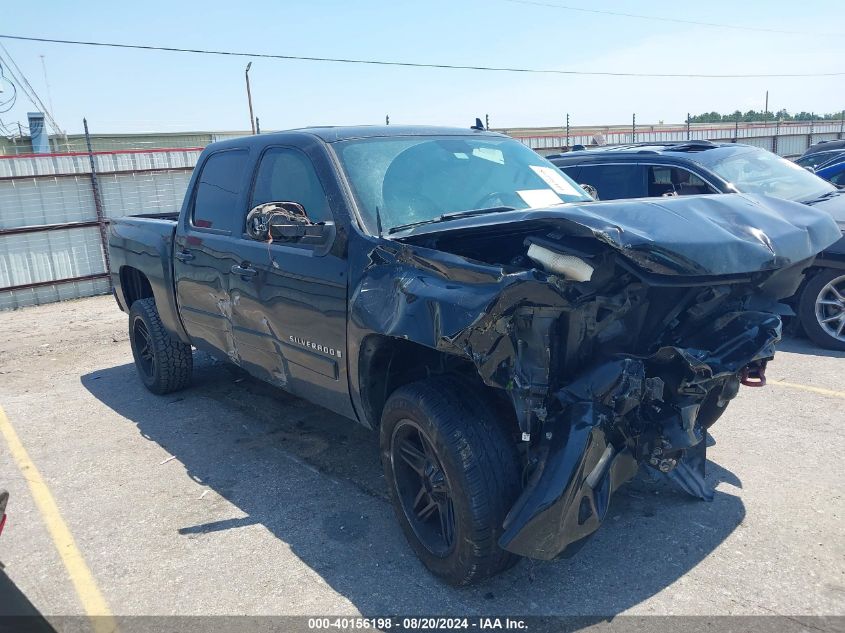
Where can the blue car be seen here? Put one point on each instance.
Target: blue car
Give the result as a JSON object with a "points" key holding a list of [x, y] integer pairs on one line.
{"points": [[817, 160], [834, 173]]}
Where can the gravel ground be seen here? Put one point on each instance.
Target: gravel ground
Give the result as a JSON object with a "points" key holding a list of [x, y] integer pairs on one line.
{"points": [[234, 498]]}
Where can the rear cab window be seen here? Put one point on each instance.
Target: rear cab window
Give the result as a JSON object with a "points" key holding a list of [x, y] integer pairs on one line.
{"points": [[218, 191]]}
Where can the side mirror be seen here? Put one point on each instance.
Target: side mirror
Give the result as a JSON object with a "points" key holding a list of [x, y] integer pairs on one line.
{"points": [[591, 191], [284, 221]]}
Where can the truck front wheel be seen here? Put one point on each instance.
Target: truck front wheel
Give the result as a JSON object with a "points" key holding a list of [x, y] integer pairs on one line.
{"points": [[164, 364], [452, 473]]}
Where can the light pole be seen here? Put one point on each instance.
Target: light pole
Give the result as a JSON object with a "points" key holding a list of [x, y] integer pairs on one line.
{"points": [[249, 98]]}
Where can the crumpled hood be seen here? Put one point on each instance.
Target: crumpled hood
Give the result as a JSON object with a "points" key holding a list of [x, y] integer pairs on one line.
{"points": [[690, 236]]}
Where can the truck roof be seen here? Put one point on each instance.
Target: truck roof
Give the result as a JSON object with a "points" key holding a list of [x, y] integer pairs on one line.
{"points": [[333, 134]]}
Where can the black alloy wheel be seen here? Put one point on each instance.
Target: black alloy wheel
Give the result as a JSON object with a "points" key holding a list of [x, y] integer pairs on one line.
{"points": [[143, 343], [164, 363], [453, 472], [423, 488]]}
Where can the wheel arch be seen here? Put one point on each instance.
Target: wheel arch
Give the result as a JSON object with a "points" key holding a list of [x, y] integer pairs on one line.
{"points": [[134, 285], [386, 363]]}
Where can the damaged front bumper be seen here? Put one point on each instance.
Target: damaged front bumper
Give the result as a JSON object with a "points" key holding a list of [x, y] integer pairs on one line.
{"points": [[625, 412]]}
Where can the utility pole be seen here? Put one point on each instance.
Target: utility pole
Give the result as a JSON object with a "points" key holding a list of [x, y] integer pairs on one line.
{"points": [[249, 98], [98, 202], [387, 119], [689, 136], [634, 128], [486, 121], [766, 111], [841, 124]]}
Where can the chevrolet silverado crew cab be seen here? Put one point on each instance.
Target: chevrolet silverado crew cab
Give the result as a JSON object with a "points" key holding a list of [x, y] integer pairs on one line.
{"points": [[520, 349]]}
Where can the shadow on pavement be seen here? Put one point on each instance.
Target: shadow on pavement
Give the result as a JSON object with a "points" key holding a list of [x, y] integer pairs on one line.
{"points": [[17, 613], [805, 346], [258, 448]]}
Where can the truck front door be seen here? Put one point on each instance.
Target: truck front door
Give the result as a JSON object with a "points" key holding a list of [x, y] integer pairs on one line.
{"points": [[289, 298]]}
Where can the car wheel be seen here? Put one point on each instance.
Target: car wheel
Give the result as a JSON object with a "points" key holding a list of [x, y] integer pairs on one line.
{"points": [[453, 474], [164, 364], [822, 309]]}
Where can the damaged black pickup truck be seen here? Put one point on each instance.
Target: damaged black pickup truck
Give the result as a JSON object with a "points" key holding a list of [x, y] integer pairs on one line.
{"points": [[521, 349]]}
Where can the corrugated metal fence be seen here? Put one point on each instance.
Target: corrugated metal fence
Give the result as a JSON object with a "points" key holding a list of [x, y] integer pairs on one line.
{"points": [[786, 138], [52, 238], [51, 245]]}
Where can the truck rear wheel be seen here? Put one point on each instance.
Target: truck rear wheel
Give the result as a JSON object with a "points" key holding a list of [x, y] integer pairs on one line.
{"points": [[453, 474], [164, 364]]}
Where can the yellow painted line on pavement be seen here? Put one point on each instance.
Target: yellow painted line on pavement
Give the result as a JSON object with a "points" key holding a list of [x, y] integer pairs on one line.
{"points": [[83, 581], [811, 389]]}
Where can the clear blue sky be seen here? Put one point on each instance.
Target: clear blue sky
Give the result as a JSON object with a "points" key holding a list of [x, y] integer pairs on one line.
{"points": [[130, 91]]}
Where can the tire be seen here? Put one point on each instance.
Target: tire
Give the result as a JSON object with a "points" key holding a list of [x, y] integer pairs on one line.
{"points": [[470, 452], [164, 364], [825, 286]]}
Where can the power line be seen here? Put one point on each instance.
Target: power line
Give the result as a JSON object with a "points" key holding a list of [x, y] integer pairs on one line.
{"points": [[8, 104], [659, 18], [378, 62], [30, 93], [46, 82]]}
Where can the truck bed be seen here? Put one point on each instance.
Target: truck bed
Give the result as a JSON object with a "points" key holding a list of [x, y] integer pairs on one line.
{"points": [[144, 243]]}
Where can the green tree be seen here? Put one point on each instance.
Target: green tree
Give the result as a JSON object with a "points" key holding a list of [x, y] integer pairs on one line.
{"points": [[759, 115]]}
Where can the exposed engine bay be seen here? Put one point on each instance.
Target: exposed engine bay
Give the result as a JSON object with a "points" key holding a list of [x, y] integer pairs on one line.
{"points": [[619, 334]]}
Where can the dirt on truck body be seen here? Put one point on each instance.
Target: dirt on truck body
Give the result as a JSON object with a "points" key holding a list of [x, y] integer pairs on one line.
{"points": [[521, 349]]}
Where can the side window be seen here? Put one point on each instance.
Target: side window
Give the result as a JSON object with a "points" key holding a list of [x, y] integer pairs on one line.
{"points": [[287, 175], [664, 180], [838, 179], [614, 181], [218, 188]]}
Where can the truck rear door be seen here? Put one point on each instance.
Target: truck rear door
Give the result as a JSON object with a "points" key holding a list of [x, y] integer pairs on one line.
{"points": [[204, 250], [289, 298]]}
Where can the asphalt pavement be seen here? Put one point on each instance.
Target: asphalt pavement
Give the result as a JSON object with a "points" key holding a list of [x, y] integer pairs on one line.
{"points": [[234, 498]]}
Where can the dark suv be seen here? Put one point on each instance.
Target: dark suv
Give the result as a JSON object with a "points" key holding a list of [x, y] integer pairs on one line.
{"points": [[703, 167]]}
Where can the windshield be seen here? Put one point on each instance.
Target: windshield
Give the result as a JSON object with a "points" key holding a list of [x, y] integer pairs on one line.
{"points": [[405, 180], [761, 172]]}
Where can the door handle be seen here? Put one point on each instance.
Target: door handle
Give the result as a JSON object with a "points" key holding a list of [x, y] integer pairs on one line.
{"points": [[246, 271], [184, 256]]}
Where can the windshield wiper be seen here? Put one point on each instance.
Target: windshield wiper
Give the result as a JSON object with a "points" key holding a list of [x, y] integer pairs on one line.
{"points": [[826, 195], [455, 215]]}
